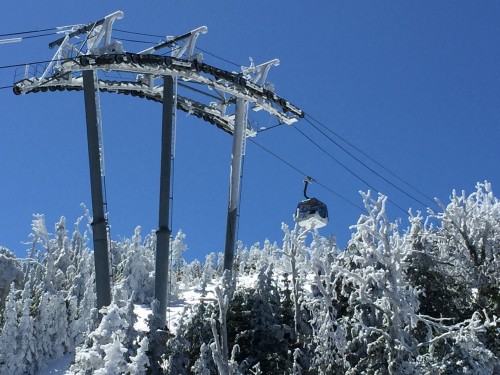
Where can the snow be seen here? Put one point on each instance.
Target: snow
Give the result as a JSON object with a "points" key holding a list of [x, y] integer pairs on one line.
{"points": [[58, 365], [379, 301], [189, 297], [142, 312]]}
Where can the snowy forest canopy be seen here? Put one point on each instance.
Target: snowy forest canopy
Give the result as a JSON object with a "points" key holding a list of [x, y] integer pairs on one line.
{"points": [[420, 300]]}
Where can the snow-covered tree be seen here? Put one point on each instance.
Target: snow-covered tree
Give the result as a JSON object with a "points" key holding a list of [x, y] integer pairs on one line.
{"points": [[136, 267], [10, 271], [424, 300], [294, 251], [110, 335], [220, 346], [26, 334], [177, 249], [208, 271], [374, 328], [114, 360], [139, 362], [9, 350]]}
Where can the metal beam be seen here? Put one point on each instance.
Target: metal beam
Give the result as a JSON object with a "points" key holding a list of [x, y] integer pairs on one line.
{"points": [[235, 180], [99, 224], [164, 231]]}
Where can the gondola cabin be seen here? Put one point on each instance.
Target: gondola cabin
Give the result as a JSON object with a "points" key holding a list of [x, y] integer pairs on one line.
{"points": [[311, 213]]}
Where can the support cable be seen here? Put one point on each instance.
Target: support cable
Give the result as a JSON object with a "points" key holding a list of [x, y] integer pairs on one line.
{"points": [[30, 32], [302, 173], [135, 41], [201, 92], [261, 130], [32, 63], [163, 36], [367, 156], [21, 38], [218, 57], [345, 167], [137, 33], [365, 165]]}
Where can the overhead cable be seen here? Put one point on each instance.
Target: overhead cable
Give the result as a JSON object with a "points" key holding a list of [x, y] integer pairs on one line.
{"points": [[162, 36], [31, 32], [306, 174], [365, 165], [345, 167], [218, 57], [137, 33], [368, 157]]}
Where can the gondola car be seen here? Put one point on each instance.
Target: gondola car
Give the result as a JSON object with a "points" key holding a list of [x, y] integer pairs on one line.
{"points": [[311, 212]]}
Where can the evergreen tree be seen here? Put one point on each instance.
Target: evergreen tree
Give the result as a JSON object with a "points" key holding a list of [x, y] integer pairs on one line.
{"points": [[140, 362], [9, 350], [10, 272], [382, 304], [26, 334], [114, 360]]}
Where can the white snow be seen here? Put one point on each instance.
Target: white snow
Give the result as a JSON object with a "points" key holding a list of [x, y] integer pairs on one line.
{"points": [[189, 297], [142, 312], [58, 365]]}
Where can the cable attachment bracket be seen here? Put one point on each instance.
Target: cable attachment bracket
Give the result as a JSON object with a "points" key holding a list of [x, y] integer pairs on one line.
{"points": [[188, 48], [258, 74], [102, 32]]}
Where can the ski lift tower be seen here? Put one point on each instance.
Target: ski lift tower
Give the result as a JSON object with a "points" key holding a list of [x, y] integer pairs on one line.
{"points": [[147, 74]]}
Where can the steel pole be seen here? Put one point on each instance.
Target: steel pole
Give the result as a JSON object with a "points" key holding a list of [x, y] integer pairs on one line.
{"points": [[235, 180], [163, 233], [99, 225]]}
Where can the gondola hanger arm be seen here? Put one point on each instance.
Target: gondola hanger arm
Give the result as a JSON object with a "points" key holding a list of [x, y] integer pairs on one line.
{"points": [[307, 180]]}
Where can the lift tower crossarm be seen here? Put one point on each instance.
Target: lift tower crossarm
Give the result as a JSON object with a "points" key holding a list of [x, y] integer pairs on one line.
{"points": [[218, 79], [259, 72], [105, 31]]}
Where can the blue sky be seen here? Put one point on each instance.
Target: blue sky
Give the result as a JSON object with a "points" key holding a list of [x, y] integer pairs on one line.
{"points": [[415, 85]]}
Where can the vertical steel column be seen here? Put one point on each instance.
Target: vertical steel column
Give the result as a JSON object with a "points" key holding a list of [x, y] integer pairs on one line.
{"points": [[234, 187], [163, 233], [99, 225]]}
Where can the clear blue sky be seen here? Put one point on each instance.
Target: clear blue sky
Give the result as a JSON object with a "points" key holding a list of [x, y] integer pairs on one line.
{"points": [[415, 85]]}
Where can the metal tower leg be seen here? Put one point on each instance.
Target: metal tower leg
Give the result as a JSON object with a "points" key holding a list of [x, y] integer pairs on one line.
{"points": [[163, 233], [99, 225], [234, 188]]}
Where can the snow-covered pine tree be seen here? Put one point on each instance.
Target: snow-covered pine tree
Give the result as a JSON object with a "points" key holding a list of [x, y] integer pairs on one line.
{"points": [[178, 247], [10, 272], [457, 266], [192, 274], [220, 346], [327, 340], [8, 336], [26, 333], [471, 241], [136, 268], [200, 367], [382, 304], [139, 362], [208, 272], [114, 360], [114, 325], [294, 253]]}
